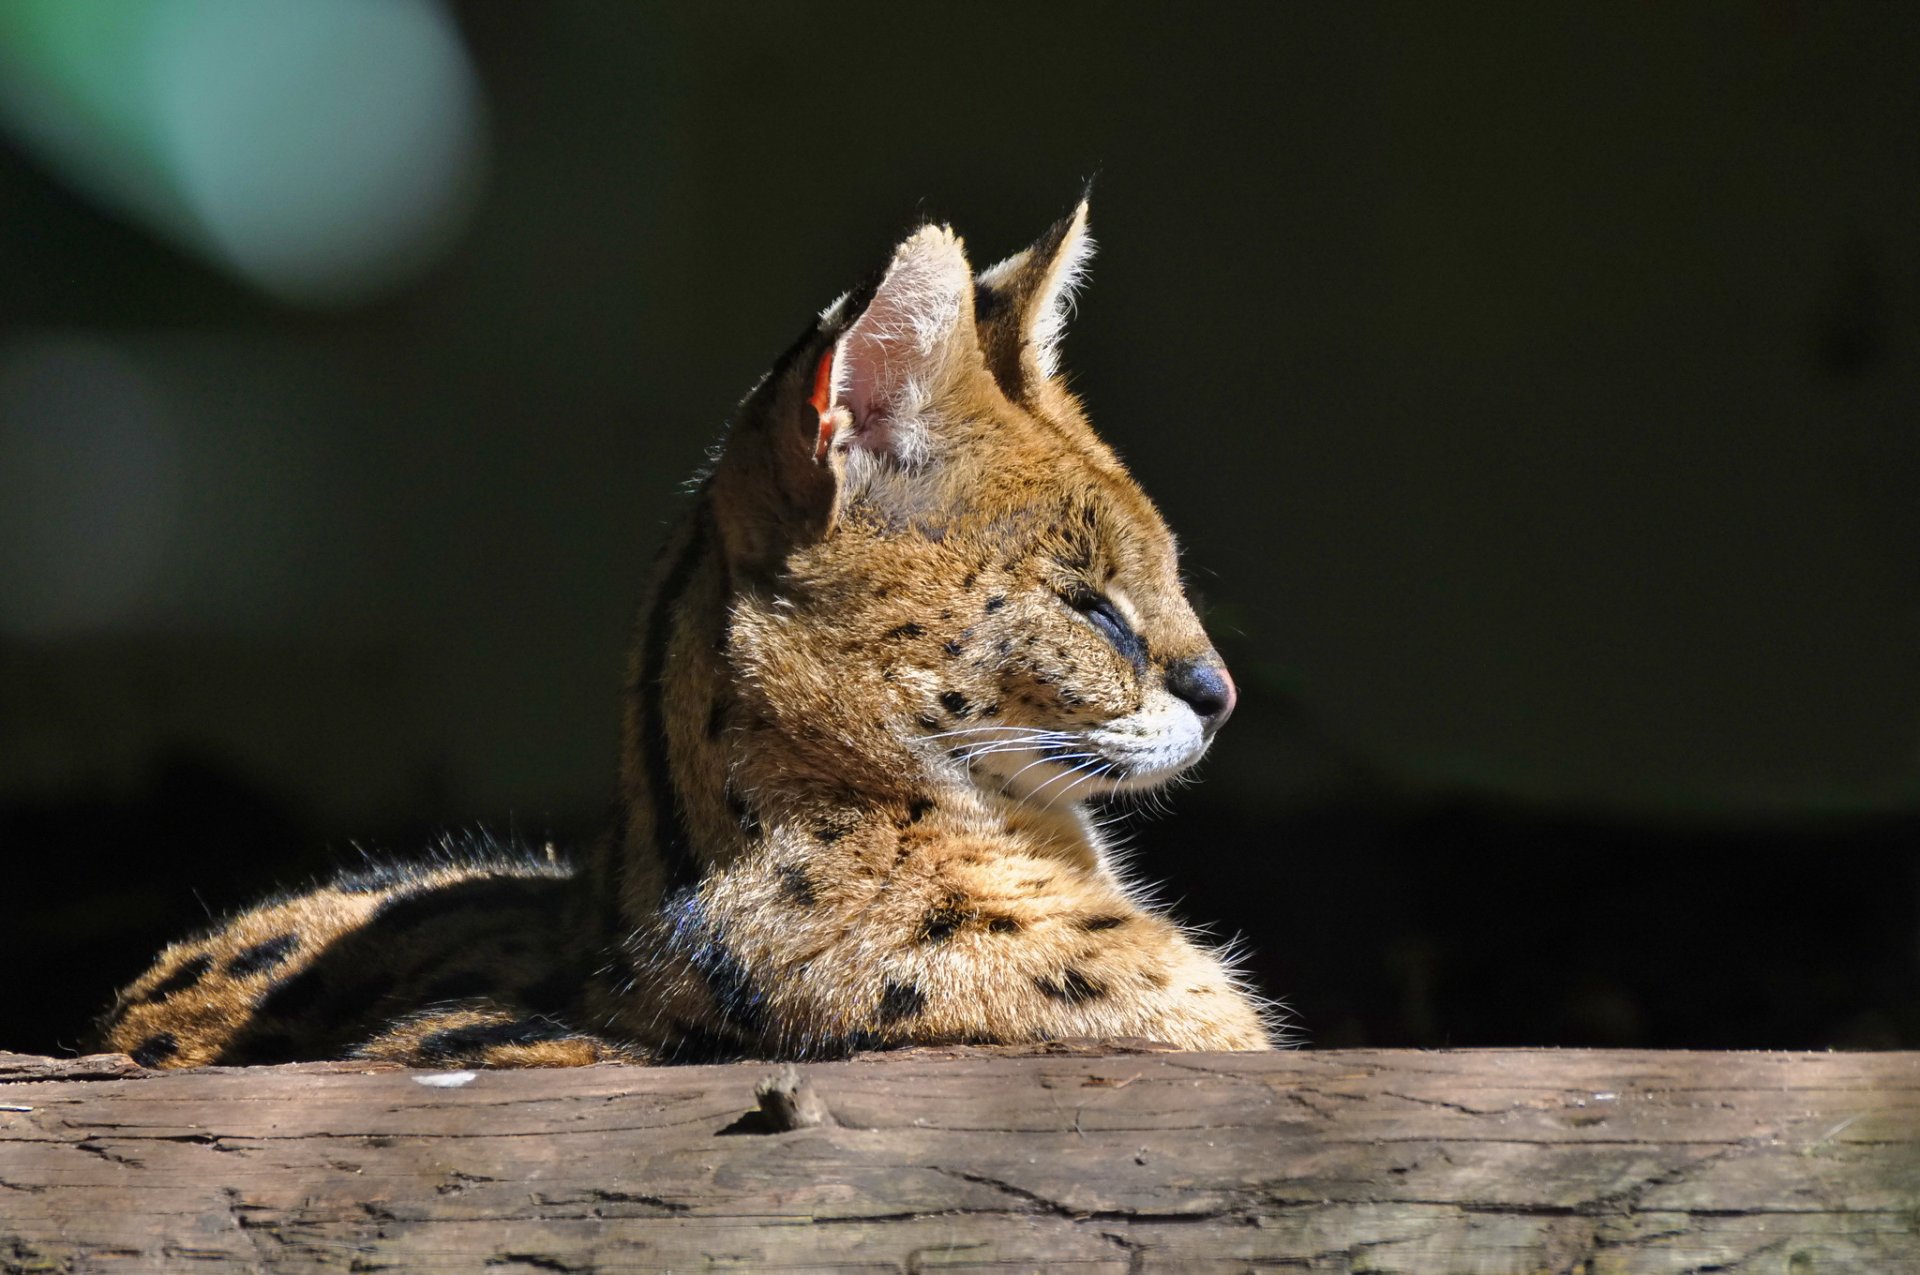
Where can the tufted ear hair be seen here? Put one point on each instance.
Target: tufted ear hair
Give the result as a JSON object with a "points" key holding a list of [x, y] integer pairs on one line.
{"points": [[897, 346], [1022, 304]]}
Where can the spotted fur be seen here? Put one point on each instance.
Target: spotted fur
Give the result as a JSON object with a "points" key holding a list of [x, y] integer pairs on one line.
{"points": [[917, 616]]}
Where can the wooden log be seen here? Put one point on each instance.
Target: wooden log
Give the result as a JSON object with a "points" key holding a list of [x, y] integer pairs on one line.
{"points": [[1072, 1158]]}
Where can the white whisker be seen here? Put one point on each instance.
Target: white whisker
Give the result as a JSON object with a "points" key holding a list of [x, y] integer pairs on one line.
{"points": [[989, 750], [1041, 761], [975, 730], [1087, 777], [1087, 769]]}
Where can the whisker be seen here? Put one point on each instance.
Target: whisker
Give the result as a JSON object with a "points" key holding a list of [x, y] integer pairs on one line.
{"points": [[1041, 761], [976, 755], [975, 730], [1092, 765], [1088, 777], [999, 746]]}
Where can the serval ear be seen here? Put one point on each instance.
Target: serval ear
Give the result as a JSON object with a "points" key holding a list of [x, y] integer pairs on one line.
{"points": [[897, 348], [853, 409], [1022, 304]]}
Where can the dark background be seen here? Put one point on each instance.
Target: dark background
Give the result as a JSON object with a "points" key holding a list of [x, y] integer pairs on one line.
{"points": [[1536, 398]]}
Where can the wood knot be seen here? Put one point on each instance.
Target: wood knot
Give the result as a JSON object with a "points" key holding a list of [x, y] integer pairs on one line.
{"points": [[788, 1102]]}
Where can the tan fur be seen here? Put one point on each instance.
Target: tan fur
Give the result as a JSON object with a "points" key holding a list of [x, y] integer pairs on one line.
{"points": [[839, 825]]}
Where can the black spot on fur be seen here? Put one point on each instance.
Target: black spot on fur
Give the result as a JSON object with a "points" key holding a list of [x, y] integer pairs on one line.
{"points": [[1003, 925], [295, 997], [703, 945], [990, 710], [944, 919], [954, 702], [899, 1001], [953, 647], [928, 721], [1105, 921], [456, 1044], [189, 973], [907, 630], [828, 833], [263, 956], [155, 1049], [917, 809], [361, 995], [995, 602], [1072, 987], [733, 991], [358, 997], [971, 577], [313, 996], [795, 886]]}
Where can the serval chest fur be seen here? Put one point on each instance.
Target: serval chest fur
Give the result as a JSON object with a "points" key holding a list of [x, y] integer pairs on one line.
{"points": [[917, 618]]}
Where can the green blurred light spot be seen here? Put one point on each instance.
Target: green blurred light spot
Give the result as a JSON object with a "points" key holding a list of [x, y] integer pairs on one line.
{"points": [[324, 150]]}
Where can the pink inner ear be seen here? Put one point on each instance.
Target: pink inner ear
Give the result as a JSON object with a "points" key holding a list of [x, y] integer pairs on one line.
{"points": [[892, 356], [822, 402]]}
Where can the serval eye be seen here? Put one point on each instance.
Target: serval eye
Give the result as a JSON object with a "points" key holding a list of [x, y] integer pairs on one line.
{"points": [[1109, 623]]}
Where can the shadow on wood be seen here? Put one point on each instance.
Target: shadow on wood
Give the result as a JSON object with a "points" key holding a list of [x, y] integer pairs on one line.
{"points": [[1069, 1158]]}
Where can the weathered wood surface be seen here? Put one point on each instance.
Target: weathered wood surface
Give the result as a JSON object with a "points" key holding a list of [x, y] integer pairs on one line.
{"points": [[1472, 1160]]}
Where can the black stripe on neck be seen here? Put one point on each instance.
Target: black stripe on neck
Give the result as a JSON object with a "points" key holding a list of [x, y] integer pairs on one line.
{"points": [[672, 839]]}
